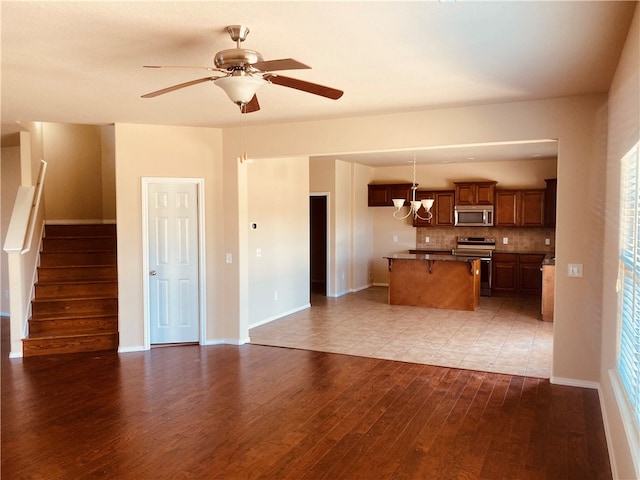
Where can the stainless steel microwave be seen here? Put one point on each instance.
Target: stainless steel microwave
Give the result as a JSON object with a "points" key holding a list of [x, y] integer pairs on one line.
{"points": [[473, 215]]}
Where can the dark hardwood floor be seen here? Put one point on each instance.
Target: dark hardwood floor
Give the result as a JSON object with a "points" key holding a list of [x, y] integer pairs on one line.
{"points": [[257, 412]]}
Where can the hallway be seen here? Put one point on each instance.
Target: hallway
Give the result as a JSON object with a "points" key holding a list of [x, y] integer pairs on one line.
{"points": [[504, 335]]}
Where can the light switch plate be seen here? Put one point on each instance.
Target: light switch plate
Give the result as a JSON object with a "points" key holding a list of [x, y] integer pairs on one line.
{"points": [[574, 270], [505, 240]]}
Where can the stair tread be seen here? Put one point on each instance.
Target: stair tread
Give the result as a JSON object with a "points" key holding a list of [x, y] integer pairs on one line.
{"points": [[76, 297], [49, 336], [76, 282], [79, 266], [77, 316]]}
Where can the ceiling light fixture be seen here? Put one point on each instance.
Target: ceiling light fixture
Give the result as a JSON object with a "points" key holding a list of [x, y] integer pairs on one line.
{"points": [[240, 88], [414, 205]]}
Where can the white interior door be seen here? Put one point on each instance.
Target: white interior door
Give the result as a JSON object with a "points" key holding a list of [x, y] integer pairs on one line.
{"points": [[172, 233]]}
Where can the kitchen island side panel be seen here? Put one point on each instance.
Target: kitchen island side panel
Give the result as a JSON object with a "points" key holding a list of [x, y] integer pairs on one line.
{"points": [[434, 283]]}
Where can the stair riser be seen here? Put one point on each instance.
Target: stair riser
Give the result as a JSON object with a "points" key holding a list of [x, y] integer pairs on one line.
{"points": [[90, 343], [54, 244], [68, 259], [76, 290], [65, 326], [77, 274], [51, 308], [79, 230]]}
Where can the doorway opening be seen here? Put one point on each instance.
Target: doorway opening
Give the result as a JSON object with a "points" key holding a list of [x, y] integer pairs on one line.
{"points": [[318, 244]]}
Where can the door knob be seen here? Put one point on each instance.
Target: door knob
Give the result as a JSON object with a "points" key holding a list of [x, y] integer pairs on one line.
{"points": [[153, 273]]}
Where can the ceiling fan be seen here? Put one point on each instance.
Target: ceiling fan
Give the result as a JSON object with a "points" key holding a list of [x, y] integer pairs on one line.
{"points": [[245, 71]]}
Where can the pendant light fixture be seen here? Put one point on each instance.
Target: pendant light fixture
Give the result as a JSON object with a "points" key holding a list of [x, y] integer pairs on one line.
{"points": [[414, 205]]}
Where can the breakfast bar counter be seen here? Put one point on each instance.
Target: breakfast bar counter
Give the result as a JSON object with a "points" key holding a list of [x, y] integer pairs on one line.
{"points": [[437, 281]]}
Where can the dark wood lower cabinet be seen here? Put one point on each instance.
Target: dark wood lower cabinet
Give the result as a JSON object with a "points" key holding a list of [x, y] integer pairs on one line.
{"points": [[515, 274], [505, 273]]}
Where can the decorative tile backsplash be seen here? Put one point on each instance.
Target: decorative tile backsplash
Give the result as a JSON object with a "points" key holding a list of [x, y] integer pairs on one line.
{"points": [[519, 239]]}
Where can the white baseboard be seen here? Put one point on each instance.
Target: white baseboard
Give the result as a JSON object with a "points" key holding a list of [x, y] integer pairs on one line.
{"points": [[572, 382], [136, 348], [280, 315], [15, 355]]}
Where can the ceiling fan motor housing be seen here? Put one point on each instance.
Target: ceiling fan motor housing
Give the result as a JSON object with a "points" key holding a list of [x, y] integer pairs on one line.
{"points": [[236, 58]]}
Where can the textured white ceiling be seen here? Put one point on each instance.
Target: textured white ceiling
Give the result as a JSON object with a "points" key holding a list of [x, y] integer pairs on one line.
{"points": [[81, 62]]}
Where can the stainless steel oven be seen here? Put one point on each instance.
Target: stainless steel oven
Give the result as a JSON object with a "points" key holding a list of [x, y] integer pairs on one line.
{"points": [[482, 248]]}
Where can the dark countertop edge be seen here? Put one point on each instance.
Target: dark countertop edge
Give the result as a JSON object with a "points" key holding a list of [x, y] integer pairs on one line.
{"points": [[418, 256]]}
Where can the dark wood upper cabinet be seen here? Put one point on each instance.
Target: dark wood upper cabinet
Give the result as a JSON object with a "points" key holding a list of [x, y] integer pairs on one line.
{"points": [[441, 211], [520, 208], [382, 195], [474, 193]]}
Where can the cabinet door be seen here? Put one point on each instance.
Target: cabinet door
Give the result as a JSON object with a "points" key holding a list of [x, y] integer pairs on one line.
{"points": [[532, 208], [443, 207], [423, 195], [506, 208], [379, 196], [382, 195], [530, 273], [485, 193], [505, 273], [465, 194], [400, 191]]}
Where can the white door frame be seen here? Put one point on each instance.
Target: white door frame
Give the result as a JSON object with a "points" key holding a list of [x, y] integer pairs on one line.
{"points": [[202, 304]]}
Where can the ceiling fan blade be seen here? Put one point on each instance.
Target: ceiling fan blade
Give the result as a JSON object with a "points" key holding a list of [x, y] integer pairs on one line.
{"points": [[179, 86], [252, 106], [280, 64], [190, 67], [305, 86]]}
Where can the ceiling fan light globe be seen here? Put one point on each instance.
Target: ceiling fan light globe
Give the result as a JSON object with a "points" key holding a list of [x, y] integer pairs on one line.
{"points": [[240, 89]]}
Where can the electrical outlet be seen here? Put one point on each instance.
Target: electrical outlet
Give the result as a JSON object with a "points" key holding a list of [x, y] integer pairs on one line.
{"points": [[370, 275], [505, 240], [426, 239], [395, 238], [547, 241], [229, 258], [258, 252]]}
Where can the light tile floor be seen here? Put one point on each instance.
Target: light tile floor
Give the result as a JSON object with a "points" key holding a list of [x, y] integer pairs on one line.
{"points": [[505, 335]]}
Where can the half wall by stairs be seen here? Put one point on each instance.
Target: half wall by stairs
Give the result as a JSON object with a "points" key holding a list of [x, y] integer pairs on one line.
{"points": [[75, 308]]}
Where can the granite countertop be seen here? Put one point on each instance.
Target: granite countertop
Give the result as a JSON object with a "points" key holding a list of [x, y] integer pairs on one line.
{"points": [[549, 257], [428, 256]]}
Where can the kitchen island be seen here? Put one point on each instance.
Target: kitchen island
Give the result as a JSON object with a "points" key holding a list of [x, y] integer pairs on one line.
{"points": [[437, 281]]}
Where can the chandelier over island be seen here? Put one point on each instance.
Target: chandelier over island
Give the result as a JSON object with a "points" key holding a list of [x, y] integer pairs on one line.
{"points": [[414, 205]]}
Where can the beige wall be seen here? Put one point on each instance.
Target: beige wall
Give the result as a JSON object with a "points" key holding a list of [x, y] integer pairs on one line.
{"points": [[158, 151], [278, 204], [73, 188], [624, 132], [108, 172], [10, 181]]}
